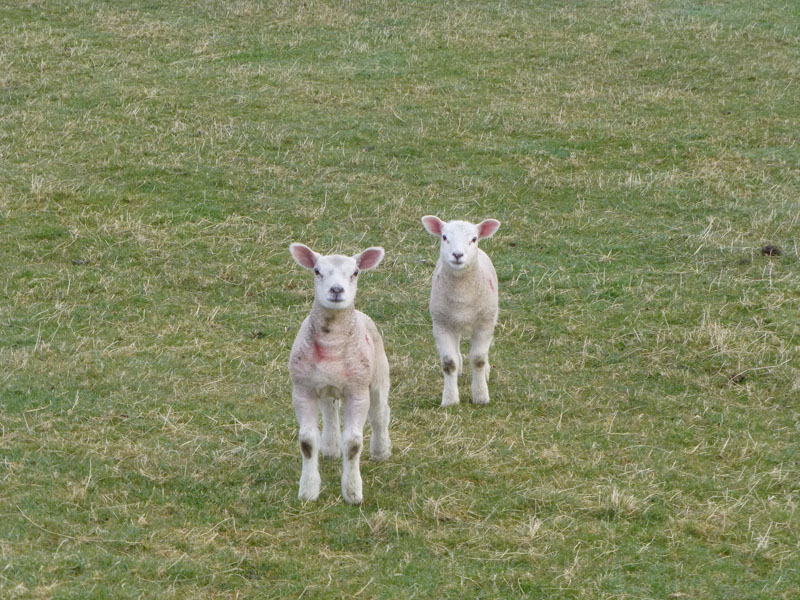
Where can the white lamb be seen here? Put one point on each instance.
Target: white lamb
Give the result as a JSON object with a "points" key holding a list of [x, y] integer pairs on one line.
{"points": [[463, 302], [338, 355]]}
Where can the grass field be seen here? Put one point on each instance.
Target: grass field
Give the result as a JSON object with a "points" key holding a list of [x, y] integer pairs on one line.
{"points": [[156, 160]]}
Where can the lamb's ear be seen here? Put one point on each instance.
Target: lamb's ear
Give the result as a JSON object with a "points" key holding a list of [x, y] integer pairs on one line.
{"points": [[488, 227], [433, 225], [369, 258], [303, 255]]}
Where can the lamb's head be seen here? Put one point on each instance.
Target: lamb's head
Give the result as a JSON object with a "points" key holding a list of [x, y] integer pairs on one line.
{"points": [[459, 239], [336, 276]]}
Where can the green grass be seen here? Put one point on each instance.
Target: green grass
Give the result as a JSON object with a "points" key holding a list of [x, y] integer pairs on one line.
{"points": [[157, 158]]}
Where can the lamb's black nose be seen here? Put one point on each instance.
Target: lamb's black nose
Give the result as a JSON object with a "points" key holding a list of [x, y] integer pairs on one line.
{"points": [[458, 255], [337, 289]]}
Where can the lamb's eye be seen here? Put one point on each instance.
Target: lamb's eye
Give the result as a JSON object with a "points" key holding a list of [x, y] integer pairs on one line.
{"points": [[475, 239], [355, 273], [316, 272], [444, 238]]}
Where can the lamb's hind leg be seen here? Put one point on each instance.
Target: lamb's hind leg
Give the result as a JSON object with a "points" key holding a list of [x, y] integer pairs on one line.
{"points": [[479, 361], [305, 407], [331, 430], [380, 446]]}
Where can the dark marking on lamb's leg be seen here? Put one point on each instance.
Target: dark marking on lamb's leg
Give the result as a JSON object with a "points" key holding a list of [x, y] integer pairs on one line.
{"points": [[353, 450], [448, 365], [305, 447], [479, 358], [447, 346]]}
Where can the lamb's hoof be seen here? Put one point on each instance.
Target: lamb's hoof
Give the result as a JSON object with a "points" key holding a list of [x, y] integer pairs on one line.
{"points": [[479, 389], [309, 490], [352, 496], [449, 399], [379, 455], [481, 398], [331, 446], [351, 484], [380, 446]]}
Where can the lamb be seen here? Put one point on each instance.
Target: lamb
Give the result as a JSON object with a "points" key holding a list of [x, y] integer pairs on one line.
{"points": [[338, 355], [463, 302]]}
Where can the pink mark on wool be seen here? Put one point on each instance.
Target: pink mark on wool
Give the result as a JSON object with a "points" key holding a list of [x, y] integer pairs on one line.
{"points": [[491, 284], [319, 353]]}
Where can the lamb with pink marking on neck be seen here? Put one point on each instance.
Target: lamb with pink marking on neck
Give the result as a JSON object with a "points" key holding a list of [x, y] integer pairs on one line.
{"points": [[338, 355], [463, 303]]}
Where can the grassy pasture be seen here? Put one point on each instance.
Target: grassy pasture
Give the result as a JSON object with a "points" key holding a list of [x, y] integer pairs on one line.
{"points": [[157, 158]]}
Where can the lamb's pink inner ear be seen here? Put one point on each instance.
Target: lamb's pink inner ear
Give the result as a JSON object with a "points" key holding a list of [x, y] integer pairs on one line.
{"points": [[304, 255], [369, 258], [488, 227], [432, 225]]}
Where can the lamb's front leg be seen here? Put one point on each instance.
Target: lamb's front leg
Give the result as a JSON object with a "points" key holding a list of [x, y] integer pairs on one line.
{"points": [[305, 407], [356, 408], [449, 354], [479, 360]]}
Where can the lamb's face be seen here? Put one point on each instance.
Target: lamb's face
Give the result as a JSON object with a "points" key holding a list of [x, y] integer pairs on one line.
{"points": [[335, 281], [336, 276], [458, 240], [459, 244]]}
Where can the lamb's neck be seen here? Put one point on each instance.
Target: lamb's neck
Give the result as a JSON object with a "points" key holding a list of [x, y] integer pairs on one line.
{"points": [[336, 321], [463, 277]]}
